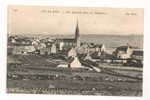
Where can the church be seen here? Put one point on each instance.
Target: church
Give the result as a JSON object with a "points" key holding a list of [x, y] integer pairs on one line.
{"points": [[67, 43]]}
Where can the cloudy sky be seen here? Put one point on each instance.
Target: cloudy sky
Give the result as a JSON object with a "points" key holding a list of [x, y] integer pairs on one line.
{"points": [[62, 20]]}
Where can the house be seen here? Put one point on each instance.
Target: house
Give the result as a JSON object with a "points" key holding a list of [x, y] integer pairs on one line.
{"points": [[72, 62], [84, 49], [72, 52], [136, 59], [123, 52], [65, 44], [48, 49], [39, 46], [88, 57], [53, 49], [36, 43], [100, 48], [13, 40], [61, 46], [90, 47], [75, 63], [137, 54], [23, 49], [45, 51]]}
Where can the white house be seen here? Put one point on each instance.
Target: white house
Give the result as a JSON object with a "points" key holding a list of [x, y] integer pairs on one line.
{"points": [[29, 48], [45, 51], [88, 57], [75, 63], [100, 48], [53, 49], [123, 52], [61, 45], [72, 52]]}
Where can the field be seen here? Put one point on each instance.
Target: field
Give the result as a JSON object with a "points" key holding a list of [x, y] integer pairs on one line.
{"points": [[39, 75]]}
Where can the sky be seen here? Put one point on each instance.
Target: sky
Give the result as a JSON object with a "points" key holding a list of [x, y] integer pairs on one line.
{"points": [[63, 20]]}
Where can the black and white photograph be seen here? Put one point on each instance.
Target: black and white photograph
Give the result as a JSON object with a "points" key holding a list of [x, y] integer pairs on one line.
{"points": [[75, 50]]}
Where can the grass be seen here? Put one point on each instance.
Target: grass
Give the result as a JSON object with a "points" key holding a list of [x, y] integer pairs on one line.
{"points": [[38, 75]]}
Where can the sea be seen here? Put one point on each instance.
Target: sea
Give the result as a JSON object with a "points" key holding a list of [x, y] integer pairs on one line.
{"points": [[110, 41]]}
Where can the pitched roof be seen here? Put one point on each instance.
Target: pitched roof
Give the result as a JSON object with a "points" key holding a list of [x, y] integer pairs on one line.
{"points": [[70, 59], [67, 39], [122, 48], [137, 53], [71, 49]]}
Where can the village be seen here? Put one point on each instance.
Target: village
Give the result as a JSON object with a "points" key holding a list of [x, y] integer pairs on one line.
{"points": [[69, 66]]}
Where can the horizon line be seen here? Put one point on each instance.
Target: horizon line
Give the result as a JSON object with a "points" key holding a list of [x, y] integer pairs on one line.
{"points": [[80, 34]]}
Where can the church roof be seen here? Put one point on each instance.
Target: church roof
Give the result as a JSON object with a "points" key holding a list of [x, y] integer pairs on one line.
{"points": [[77, 32], [70, 59], [67, 39]]}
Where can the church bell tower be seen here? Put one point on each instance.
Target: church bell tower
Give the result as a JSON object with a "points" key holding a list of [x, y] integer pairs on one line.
{"points": [[77, 36]]}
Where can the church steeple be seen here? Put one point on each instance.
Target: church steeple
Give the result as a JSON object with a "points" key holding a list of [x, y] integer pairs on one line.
{"points": [[77, 32], [77, 36]]}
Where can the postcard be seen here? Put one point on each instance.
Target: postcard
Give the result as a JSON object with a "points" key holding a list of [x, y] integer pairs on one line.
{"points": [[75, 50]]}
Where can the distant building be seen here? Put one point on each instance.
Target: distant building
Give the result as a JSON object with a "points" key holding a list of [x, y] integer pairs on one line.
{"points": [[15, 41], [53, 49], [100, 48], [123, 52], [88, 57], [75, 63], [136, 59], [42, 45], [61, 45], [72, 52], [137, 54], [72, 62], [98, 55], [45, 51], [49, 48], [39, 46], [23, 49], [67, 43], [29, 48], [83, 49], [35, 43]]}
